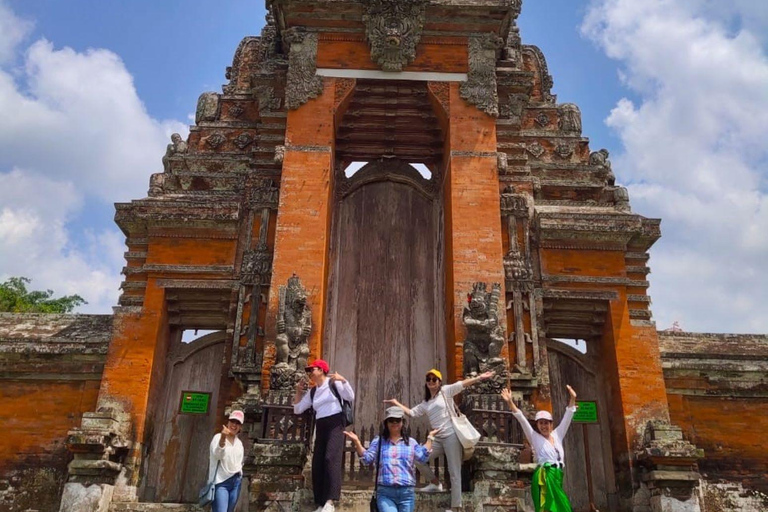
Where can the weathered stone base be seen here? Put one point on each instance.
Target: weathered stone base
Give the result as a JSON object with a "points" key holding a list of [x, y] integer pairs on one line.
{"points": [[79, 497], [731, 497]]}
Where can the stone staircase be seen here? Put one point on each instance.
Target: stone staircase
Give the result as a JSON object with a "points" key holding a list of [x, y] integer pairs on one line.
{"points": [[351, 501]]}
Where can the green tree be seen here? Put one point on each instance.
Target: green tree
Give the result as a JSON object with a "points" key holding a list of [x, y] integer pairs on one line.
{"points": [[15, 298]]}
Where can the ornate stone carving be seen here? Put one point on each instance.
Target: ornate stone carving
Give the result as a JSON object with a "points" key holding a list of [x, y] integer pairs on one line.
{"points": [[302, 82], [512, 107], [542, 119], [294, 325], [266, 194], [257, 266], [207, 107], [621, 199], [535, 149], [177, 146], [279, 154], [518, 271], [564, 151], [393, 30], [215, 140], [599, 160], [265, 97], [480, 88], [243, 140], [569, 116], [441, 91], [236, 111], [544, 77], [514, 204], [502, 162], [485, 336]]}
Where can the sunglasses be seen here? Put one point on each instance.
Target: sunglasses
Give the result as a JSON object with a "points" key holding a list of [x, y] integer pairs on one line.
{"points": [[309, 370], [432, 379], [394, 420]]}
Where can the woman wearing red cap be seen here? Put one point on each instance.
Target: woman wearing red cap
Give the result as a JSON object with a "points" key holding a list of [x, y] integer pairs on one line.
{"points": [[547, 444], [437, 399], [329, 429]]}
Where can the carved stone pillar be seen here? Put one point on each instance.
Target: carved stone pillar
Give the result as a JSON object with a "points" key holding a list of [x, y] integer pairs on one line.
{"points": [[518, 269]]}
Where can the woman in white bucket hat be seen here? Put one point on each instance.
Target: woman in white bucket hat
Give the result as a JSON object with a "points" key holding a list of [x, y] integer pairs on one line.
{"points": [[547, 444], [226, 463]]}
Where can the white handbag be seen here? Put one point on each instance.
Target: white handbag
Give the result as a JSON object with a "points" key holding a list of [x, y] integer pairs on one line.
{"points": [[466, 433]]}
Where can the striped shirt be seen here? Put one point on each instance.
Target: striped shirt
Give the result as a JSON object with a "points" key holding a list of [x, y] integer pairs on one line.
{"points": [[397, 468], [435, 408]]}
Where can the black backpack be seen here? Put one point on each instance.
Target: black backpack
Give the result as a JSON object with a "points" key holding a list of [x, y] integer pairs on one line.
{"points": [[348, 415]]}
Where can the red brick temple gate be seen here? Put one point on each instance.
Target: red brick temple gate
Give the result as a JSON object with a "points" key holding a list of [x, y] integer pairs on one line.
{"points": [[518, 236]]}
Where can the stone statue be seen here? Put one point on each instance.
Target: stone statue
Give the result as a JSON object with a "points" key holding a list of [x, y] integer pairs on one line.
{"points": [[621, 199], [570, 118], [599, 159], [485, 337], [294, 325], [393, 30], [177, 145]]}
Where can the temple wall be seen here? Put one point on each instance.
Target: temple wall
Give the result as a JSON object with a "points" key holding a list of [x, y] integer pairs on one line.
{"points": [[717, 386], [50, 370]]}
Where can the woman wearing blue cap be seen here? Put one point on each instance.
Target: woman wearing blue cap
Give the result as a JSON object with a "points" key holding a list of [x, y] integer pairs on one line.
{"points": [[437, 400], [547, 444]]}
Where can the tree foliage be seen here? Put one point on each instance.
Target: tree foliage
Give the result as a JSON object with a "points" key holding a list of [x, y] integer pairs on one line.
{"points": [[15, 298]]}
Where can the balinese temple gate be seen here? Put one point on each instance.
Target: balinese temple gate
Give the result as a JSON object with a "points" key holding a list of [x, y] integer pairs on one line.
{"points": [[478, 230]]}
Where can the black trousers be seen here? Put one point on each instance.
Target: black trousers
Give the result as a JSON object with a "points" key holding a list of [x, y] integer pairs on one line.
{"points": [[327, 459]]}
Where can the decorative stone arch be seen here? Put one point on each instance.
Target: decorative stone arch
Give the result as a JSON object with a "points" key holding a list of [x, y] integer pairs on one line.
{"points": [[534, 60], [396, 171]]}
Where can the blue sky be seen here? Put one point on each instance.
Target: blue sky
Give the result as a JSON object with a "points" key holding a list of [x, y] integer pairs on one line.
{"points": [[677, 90]]}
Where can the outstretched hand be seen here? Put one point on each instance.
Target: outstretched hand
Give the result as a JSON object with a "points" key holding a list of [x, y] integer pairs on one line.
{"points": [[573, 395], [335, 376], [352, 436], [486, 375], [392, 402], [506, 395]]}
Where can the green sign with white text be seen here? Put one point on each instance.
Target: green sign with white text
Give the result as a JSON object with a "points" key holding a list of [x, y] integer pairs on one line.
{"points": [[194, 402], [586, 412]]}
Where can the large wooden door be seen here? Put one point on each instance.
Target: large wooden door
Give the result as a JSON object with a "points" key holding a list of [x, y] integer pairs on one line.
{"points": [[177, 462], [587, 446], [385, 312]]}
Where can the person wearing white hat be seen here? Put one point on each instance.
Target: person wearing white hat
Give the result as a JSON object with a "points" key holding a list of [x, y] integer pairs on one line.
{"points": [[396, 454], [547, 444], [437, 400], [225, 467]]}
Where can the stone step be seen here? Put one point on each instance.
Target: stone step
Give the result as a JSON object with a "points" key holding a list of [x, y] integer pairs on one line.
{"points": [[156, 507], [359, 501]]}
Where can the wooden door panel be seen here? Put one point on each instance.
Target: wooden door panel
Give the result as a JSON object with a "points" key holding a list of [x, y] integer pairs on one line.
{"points": [[382, 326]]}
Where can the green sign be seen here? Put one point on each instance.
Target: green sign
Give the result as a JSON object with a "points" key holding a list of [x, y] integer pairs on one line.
{"points": [[194, 402], [586, 412]]}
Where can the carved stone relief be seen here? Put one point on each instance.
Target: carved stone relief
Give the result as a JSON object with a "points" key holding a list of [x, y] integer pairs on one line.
{"points": [[266, 194], [569, 118], [302, 82], [215, 140], [243, 140], [480, 88], [207, 107], [535, 149], [599, 160], [256, 267], [294, 325], [564, 151], [393, 30], [485, 336], [542, 120]]}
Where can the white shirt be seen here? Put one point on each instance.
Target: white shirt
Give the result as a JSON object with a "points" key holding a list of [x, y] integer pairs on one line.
{"points": [[325, 403], [230, 459], [435, 408], [543, 449]]}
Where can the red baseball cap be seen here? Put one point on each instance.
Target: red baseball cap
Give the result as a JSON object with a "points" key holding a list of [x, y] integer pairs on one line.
{"points": [[319, 363]]}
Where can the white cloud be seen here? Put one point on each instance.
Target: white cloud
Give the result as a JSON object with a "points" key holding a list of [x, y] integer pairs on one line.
{"points": [[695, 151], [13, 30], [74, 135]]}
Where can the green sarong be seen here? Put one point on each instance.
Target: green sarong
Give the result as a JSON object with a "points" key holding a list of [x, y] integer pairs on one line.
{"points": [[547, 490]]}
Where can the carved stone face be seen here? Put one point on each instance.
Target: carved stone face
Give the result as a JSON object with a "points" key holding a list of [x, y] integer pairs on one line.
{"points": [[176, 138], [477, 304], [393, 30], [299, 302]]}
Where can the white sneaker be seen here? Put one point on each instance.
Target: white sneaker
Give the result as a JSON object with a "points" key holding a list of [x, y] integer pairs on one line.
{"points": [[432, 488], [319, 509], [328, 507]]}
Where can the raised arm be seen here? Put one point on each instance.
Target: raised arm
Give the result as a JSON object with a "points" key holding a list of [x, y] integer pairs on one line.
{"points": [[506, 394], [301, 400], [344, 388], [474, 380], [409, 412], [562, 428]]}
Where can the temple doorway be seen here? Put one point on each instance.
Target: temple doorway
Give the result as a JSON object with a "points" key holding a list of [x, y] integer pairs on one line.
{"points": [[177, 455], [385, 303], [589, 477]]}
